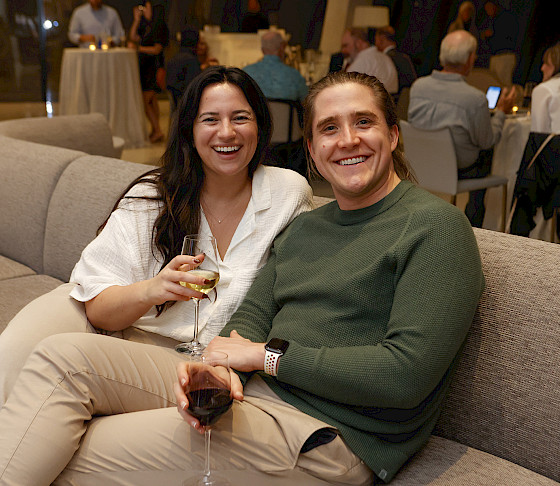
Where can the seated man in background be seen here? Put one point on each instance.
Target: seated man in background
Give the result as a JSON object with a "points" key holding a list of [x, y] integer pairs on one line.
{"points": [[386, 43], [361, 57], [91, 21], [276, 79], [444, 99], [183, 67]]}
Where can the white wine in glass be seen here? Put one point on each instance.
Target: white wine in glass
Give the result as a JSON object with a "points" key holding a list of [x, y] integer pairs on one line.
{"points": [[208, 269]]}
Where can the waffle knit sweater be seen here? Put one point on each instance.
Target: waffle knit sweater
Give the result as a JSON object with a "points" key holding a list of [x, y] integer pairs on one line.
{"points": [[376, 304]]}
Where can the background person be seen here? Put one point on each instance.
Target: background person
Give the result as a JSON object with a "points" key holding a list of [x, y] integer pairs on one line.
{"points": [[444, 99], [545, 99], [276, 79], [203, 53], [126, 282], [465, 20], [361, 57], [91, 21], [498, 29], [182, 68], [365, 357], [386, 43], [149, 35]]}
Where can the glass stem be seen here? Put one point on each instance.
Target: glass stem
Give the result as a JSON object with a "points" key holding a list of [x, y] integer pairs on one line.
{"points": [[195, 338], [207, 433]]}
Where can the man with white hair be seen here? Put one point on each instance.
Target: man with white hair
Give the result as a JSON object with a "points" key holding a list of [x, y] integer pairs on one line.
{"points": [[276, 79], [444, 99]]}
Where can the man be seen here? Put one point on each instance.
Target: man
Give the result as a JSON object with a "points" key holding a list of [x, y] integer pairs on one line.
{"points": [[361, 342], [361, 57], [184, 66], [444, 99], [499, 30], [386, 43], [89, 22], [276, 79]]}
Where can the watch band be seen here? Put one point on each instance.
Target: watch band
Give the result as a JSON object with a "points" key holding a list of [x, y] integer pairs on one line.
{"points": [[271, 360]]}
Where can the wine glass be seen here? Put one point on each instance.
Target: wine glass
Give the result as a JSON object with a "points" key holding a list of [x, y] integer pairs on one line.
{"points": [[210, 270], [209, 395]]}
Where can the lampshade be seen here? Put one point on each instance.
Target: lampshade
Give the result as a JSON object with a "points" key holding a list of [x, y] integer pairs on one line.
{"points": [[371, 16]]}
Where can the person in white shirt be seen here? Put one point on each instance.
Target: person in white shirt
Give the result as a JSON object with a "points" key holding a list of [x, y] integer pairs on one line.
{"points": [[91, 21], [545, 99], [361, 57], [126, 283]]}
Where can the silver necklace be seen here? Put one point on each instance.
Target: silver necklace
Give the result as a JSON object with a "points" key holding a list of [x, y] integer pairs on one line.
{"points": [[219, 221]]}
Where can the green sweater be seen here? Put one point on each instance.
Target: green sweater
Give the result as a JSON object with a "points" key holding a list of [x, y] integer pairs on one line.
{"points": [[375, 304]]}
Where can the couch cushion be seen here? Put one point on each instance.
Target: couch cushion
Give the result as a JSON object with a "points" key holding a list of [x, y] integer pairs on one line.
{"points": [[17, 292], [30, 173], [88, 133], [82, 200], [11, 269], [505, 397], [443, 462]]}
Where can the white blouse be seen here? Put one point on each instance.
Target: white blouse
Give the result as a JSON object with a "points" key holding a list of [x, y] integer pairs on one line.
{"points": [[122, 254], [545, 106]]}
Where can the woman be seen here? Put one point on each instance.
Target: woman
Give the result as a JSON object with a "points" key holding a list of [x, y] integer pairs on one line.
{"points": [[365, 306], [545, 99], [465, 19], [149, 35], [211, 181]]}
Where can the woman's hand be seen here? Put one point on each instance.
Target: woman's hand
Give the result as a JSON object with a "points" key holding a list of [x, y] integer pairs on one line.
{"points": [[136, 13], [183, 402], [243, 354], [165, 286]]}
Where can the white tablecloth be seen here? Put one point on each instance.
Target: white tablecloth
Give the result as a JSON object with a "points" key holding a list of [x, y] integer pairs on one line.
{"points": [[508, 154], [106, 82]]}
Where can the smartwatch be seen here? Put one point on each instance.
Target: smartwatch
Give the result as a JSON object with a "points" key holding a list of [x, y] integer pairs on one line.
{"points": [[274, 350]]}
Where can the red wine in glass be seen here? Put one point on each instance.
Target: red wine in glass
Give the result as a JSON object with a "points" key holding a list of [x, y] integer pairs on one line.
{"points": [[209, 395], [208, 404]]}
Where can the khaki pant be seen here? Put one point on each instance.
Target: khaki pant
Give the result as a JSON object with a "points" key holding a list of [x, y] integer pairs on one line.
{"points": [[502, 66], [91, 409]]}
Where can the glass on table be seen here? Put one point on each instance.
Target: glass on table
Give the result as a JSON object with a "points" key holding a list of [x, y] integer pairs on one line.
{"points": [[527, 93]]}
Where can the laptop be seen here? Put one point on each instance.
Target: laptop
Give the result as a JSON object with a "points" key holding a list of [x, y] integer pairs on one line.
{"points": [[492, 95]]}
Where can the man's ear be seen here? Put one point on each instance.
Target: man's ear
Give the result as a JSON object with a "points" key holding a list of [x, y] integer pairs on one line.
{"points": [[394, 136], [310, 148]]}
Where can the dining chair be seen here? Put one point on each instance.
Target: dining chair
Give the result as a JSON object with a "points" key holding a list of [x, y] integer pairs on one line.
{"points": [[432, 157], [537, 185], [286, 144], [285, 118]]}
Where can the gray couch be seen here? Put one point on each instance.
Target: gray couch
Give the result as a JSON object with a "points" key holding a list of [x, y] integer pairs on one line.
{"points": [[501, 420], [88, 133]]}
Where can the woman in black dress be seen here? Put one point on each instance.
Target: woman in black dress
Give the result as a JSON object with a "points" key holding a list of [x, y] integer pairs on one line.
{"points": [[149, 35]]}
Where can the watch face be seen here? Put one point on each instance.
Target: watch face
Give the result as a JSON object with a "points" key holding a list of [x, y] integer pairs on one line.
{"points": [[277, 345]]}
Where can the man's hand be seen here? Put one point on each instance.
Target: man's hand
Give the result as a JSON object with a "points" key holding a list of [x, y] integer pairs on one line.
{"points": [[87, 38], [183, 402], [244, 355]]}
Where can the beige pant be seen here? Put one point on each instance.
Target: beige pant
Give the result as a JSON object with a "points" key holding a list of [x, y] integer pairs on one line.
{"points": [[502, 66], [53, 313], [101, 411]]}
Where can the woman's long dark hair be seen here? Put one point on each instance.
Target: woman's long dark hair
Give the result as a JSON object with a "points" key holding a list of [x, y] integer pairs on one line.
{"points": [[180, 178]]}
